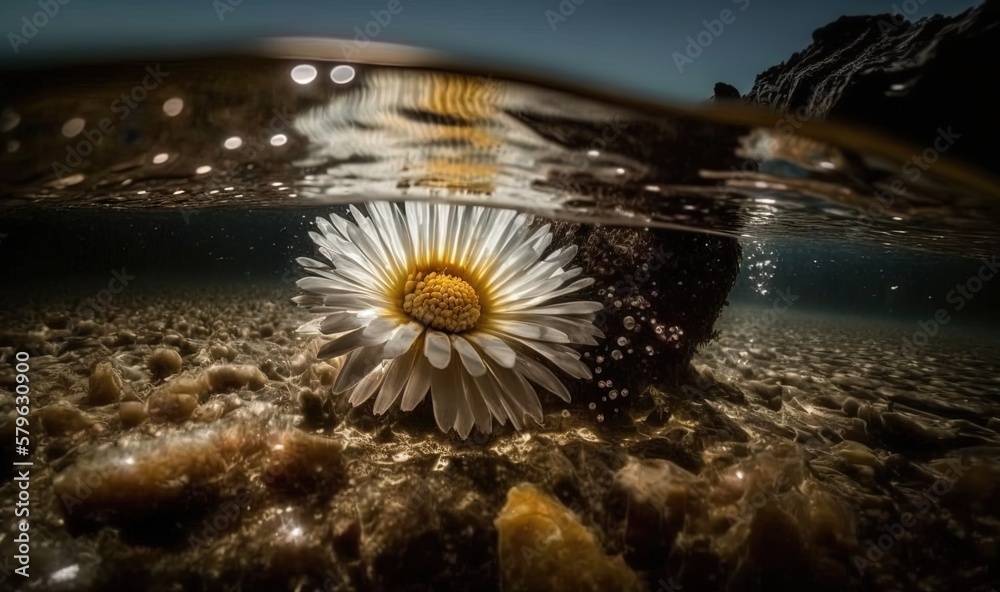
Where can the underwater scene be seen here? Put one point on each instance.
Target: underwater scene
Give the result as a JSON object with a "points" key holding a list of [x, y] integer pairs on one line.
{"points": [[290, 319]]}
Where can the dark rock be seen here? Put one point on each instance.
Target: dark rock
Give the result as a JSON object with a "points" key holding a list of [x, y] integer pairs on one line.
{"points": [[775, 554], [662, 293], [430, 530], [725, 92], [663, 448], [906, 79], [906, 434], [659, 493]]}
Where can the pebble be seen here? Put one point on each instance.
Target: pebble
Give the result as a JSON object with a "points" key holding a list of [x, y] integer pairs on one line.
{"points": [[104, 386]]}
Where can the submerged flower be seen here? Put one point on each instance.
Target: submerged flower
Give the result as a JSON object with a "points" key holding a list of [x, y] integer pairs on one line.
{"points": [[457, 300]]}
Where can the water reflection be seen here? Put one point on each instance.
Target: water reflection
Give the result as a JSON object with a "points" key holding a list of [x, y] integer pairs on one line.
{"points": [[217, 129]]}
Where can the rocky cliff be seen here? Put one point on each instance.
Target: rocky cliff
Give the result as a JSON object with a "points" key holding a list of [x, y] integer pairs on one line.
{"points": [[908, 79]]}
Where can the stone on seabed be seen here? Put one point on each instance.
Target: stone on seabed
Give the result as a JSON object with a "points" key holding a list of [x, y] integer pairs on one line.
{"points": [[543, 547]]}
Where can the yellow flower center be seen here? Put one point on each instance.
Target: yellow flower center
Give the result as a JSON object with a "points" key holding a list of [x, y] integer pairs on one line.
{"points": [[441, 301]]}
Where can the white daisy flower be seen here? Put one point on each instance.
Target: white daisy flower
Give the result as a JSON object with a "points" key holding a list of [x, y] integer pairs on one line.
{"points": [[457, 300]]}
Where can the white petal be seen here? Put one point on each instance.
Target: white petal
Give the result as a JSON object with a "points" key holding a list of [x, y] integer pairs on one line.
{"points": [[577, 329], [530, 330], [564, 360], [437, 348], [466, 417], [312, 327], [320, 285], [328, 229], [339, 223], [403, 339], [519, 395], [381, 329], [577, 307], [532, 302], [310, 263], [417, 385], [395, 379], [494, 347], [359, 364], [366, 387], [344, 344], [469, 356], [339, 322], [480, 410], [488, 389], [447, 399], [542, 376]]}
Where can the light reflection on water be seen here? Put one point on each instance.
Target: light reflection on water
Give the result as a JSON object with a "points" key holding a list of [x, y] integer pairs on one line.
{"points": [[271, 132]]}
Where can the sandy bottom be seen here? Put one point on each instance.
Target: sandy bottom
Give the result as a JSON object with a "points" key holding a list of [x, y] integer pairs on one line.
{"points": [[189, 441]]}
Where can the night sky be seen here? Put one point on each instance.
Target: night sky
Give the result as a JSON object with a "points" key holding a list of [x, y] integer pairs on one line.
{"points": [[627, 44]]}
